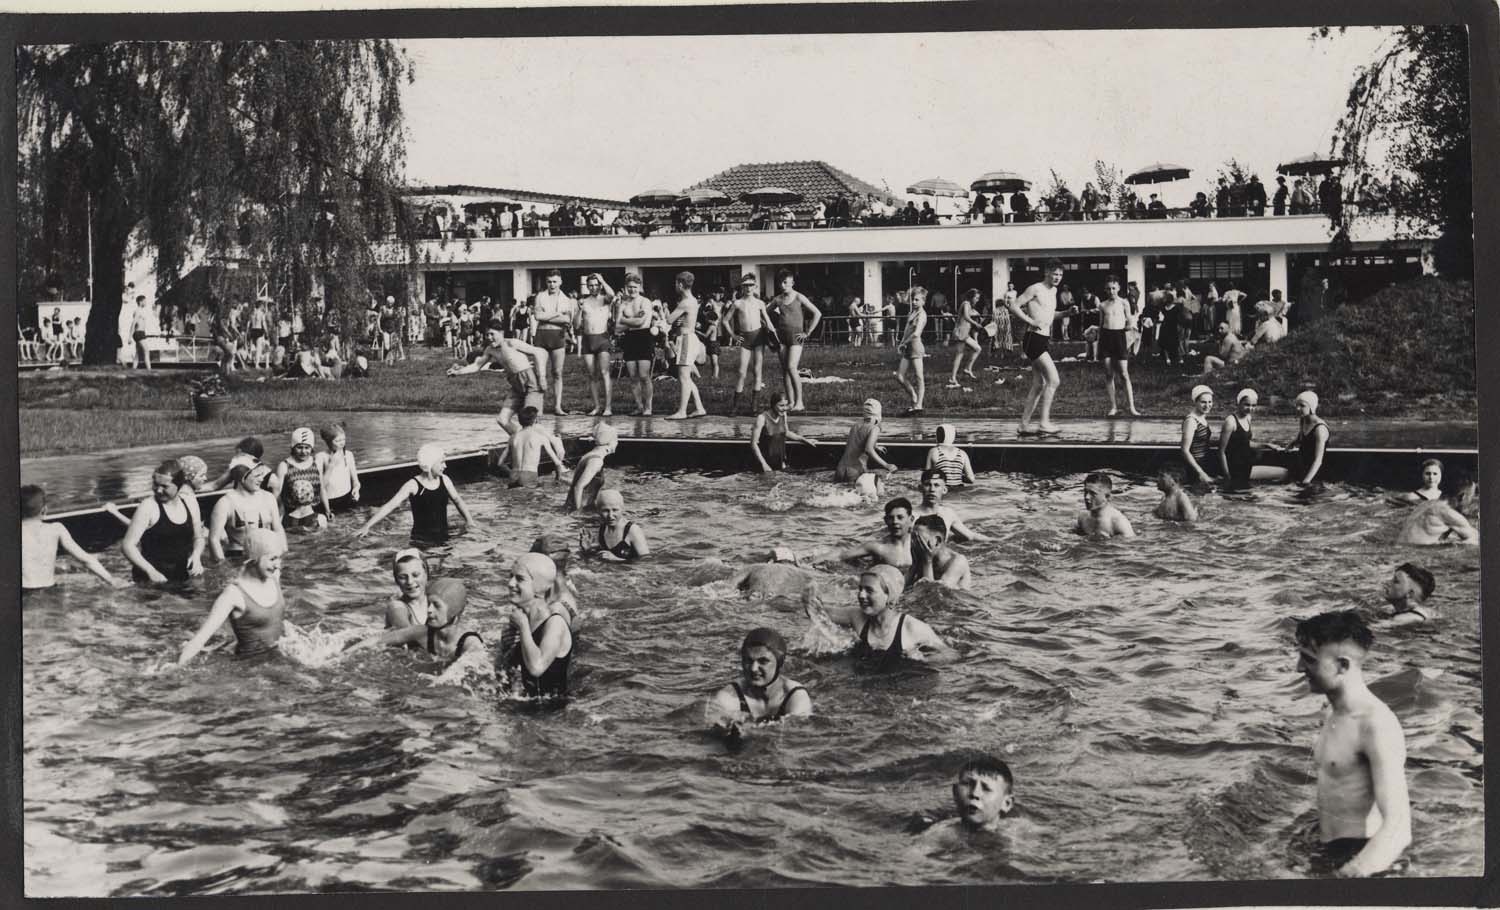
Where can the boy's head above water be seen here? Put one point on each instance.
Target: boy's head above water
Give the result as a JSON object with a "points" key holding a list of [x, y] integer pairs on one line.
{"points": [[33, 501], [984, 792], [1097, 488]]}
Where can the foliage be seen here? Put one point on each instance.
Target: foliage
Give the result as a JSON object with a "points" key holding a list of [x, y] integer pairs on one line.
{"points": [[1388, 350], [285, 156], [210, 386], [1415, 95], [1109, 180], [1233, 171]]}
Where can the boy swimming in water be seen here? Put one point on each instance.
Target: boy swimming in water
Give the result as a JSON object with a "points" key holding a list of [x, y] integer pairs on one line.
{"points": [[1364, 813], [762, 694], [1176, 504], [984, 793], [40, 541], [1407, 591], [932, 560], [1098, 518], [934, 488], [526, 448]]}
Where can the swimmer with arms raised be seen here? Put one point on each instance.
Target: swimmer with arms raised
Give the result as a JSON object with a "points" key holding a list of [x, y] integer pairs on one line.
{"points": [[885, 636], [1099, 518], [762, 695], [1364, 815]]}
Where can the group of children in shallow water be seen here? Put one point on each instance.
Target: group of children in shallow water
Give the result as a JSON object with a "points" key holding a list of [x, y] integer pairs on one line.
{"points": [[165, 541]]}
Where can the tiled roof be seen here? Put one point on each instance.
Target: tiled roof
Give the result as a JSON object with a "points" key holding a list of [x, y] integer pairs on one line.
{"points": [[815, 180]]}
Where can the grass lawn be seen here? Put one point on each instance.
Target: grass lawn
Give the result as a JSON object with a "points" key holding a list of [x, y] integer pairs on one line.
{"points": [[94, 409]]}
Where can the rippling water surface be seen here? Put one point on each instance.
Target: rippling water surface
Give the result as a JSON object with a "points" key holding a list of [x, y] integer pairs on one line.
{"points": [[1143, 691]]}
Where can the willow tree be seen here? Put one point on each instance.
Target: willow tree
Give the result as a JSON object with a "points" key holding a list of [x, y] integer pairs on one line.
{"points": [[287, 156], [1414, 98]]}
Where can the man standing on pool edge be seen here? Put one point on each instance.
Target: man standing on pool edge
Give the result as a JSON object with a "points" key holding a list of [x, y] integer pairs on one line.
{"points": [[1364, 814], [1035, 308]]}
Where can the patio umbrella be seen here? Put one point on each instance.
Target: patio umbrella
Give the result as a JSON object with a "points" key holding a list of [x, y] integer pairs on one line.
{"points": [[1001, 182], [655, 197], [704, 197], [1158, 173], [771, 195], [1310, 164], [936, 186]]}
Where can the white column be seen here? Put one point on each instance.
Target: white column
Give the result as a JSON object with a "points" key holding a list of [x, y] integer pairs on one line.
{"points": [[874, 288], [767, 280], [999, 276], [520, 282], [1135, 270], [1278, 275]]}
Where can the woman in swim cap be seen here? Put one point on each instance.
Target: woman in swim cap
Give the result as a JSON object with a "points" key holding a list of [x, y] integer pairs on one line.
{"points": [[301, 483], [885, 636], [948, 459], [762, 694], [538, 663], [246, 504], [424, 612], [252, 602], [588, 474], [863, 446], [429, 493], [629, 538], [1312, 439], [1197, 437]]}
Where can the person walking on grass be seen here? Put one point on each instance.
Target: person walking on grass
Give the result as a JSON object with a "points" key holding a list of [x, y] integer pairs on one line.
{"points": [[1116, 321], [966, 332], [912, 351], [1035, 308], [789, 309]]}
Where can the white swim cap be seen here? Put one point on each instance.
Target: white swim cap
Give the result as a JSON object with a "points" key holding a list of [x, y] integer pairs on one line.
{"points": [[1248, 396], [430, 456], [612, 499], [1201, 390], [605, 434], [872, 408], [890, 578], [259, 542], [1310, 398], [946, 434], [302, 436]]}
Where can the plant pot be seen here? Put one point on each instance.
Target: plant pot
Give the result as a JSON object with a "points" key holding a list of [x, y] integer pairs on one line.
{"points": [[211, 408]]}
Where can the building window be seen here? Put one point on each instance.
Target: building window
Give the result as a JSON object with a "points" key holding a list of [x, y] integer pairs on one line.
{"points": [[1217, 267]]}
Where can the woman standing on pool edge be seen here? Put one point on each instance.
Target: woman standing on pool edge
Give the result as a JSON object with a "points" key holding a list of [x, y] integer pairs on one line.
{"points": [[911, 350], [538, 663], [252, 602]]}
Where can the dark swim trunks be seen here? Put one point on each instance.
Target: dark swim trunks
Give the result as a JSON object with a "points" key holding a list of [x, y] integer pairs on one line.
{"points": [[1034, 345], [1112, 344]]}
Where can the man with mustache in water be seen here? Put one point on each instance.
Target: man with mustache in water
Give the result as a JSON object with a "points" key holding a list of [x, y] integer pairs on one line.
{"points": [[1364, 815]]}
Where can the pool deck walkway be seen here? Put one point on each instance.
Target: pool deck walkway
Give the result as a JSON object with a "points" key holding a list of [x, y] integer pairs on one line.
{"points": [[385, 440]]}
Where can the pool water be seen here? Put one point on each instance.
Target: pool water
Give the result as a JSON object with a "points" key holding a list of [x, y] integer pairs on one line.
{"points": [[1144, 692]]}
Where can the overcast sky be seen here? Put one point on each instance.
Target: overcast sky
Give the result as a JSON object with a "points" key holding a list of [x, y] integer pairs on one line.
{"points": [[614, 116]]}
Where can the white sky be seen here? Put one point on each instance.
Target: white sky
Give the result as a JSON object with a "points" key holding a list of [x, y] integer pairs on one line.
{"points": [[614, 116]]}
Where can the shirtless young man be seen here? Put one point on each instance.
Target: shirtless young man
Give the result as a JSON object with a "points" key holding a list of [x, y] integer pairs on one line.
{"points": [[526, 447], [511, 355], [40, 541], [1364, 815], [633, 315], [1407, 591], [1116, 321], [797, 318], [1035, 309], [934, 488], [1099, 518], [1176, 504], [749, 320], [594, 325], [552, 322], [932, 560], [894, 549]]}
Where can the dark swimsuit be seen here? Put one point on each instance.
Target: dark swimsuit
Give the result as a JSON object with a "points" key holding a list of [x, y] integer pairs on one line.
{"points": [[880, 660], [553, 683], [773, 443], [1306, 451], [624, 549], [780, 711], [1433, 498], [1240, 455], [234, 530], [258, 627], [429, 513], [463, 640], [1202, 440], [167, 545]]}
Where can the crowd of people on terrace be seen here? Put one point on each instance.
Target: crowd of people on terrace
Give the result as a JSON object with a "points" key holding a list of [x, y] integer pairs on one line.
{"points": [[1233, 196]]}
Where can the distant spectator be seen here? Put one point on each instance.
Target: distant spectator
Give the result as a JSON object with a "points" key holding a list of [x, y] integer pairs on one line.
{"points": [[1157, 208], [980, 207], [1199, 206], [1279, 201], [1255, 197], [1090, 202], [1302, 200], [1231, 350], [1020, 206], [1221, 198]]}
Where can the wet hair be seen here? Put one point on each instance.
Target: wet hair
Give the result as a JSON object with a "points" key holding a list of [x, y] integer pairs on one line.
{"points": [[784, 274], [33, 500], [1172, 470], [238, 472], [1432, 463], [1051, 264], [172, 469], [329, 431], [554, 273], [930, 473], [1421, 576], [1334, 628], [496, 325], [933, 523], [1099, 479], [986, 765], [1113, 277], [900, 502], [685, 279], [527, 417], [251, 446]]}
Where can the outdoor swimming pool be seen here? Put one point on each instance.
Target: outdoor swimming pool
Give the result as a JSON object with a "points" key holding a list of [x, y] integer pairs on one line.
{"points": [[1144, 692]]}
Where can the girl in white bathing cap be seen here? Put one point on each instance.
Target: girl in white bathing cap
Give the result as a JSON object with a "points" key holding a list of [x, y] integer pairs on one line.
{"points": [[1197, 437], [1312, 439], [862, 447], [948, 459], [301, 485], [429, 493]]}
